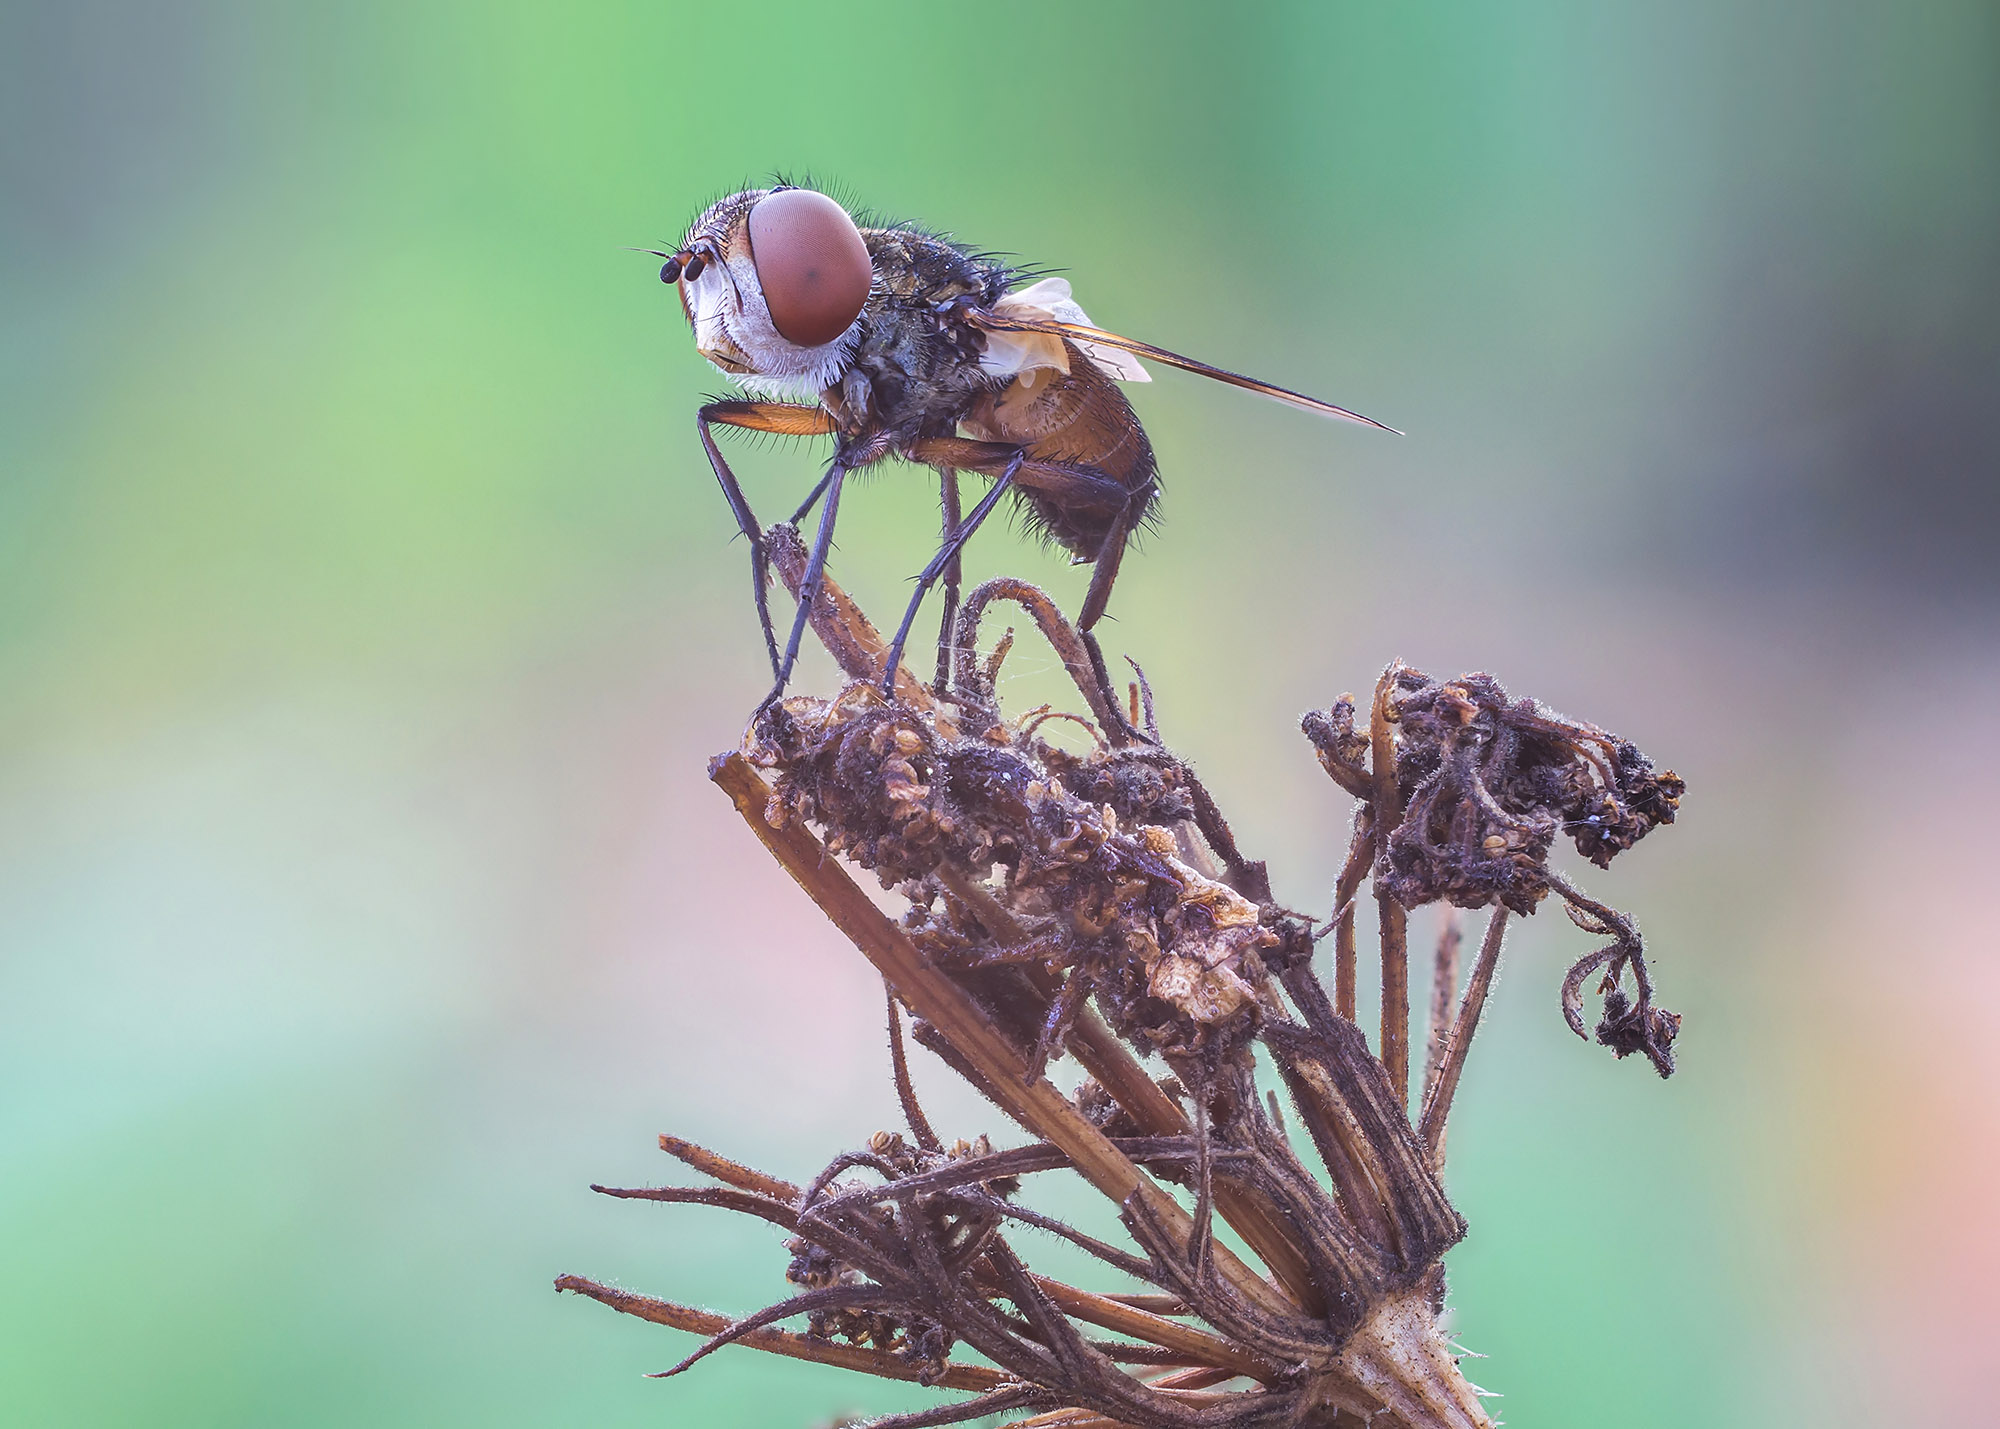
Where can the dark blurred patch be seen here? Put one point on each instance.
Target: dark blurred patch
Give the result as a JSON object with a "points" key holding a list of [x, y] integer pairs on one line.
{"points": [[108, 114], [1864, 450], [1840, 418]]}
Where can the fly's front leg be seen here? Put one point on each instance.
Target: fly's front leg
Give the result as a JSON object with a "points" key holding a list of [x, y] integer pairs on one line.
{"points": [[809, 583], [781, 417]]}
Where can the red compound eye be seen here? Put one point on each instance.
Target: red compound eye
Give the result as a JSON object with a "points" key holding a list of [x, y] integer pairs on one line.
{"points": [[811, 264]]}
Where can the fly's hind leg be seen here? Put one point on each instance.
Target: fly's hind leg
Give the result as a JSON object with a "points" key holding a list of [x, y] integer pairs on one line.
{"points": [[1104, 570], [786, 419], [953, 575], [1102, 576]]}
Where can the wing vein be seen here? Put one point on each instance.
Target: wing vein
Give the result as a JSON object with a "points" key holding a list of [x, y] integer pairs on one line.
{"points": [[1083, 332]]}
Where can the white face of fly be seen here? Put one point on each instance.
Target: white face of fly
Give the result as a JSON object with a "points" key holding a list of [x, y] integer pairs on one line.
{"points": [[733, 327]]}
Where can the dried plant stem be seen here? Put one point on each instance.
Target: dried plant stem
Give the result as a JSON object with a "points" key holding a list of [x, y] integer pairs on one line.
{"points": [[1399, 1357], [1437, 1103], [1360, 854], [1395, 1045], [1444, 991], [1097, 1048], [1056, 629], [780, 1342], [913, 1113], [730, 1173], [1037, 1105], [1064, 900], [1089, 1419], [1205, 1348], [1065, 1419], [848, 635]]}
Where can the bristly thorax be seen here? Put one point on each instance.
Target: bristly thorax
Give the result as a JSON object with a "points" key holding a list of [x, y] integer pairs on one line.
{"points": [[919, 363]]}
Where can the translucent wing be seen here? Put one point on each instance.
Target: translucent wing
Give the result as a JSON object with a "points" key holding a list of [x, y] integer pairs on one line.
{"points": [[1023, 349], [999, 319]]}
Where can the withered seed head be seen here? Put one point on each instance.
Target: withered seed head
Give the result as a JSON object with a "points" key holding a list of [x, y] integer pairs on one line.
{"points": [[1488, 784], [1041, 882], [1066, 843]]}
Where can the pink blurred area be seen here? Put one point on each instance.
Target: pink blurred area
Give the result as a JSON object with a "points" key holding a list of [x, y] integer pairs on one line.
{"points": [[1894, 1075]]}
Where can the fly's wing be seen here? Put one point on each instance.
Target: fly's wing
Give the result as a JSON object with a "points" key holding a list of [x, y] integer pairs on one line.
{"points": [[1023, 350], [1087, 337]]}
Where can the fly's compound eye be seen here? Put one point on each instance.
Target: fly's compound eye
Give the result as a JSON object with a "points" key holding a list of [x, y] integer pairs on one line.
{"points": [[811, 264]]}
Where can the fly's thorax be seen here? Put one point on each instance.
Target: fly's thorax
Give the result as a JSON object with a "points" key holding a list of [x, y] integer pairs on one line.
{"points": [[919, 359]]}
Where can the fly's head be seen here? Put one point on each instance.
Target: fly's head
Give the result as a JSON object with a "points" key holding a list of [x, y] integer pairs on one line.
{"points": [[774, 281]]}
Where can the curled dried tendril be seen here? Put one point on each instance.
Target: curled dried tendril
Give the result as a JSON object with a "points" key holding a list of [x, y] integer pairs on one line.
{"points": [[1630, 1022]]}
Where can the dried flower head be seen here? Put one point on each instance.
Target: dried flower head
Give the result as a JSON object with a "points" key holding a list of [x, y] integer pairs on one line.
{"points": [[1095, 905], [1111, 909], [1488, 783], [1483, 786]]}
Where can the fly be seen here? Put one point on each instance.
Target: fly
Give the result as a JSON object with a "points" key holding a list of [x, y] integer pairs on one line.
{"points": [[896, 342]]}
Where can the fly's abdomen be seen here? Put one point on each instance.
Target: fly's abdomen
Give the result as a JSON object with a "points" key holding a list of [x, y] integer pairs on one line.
{"points": [[1078, 420]]}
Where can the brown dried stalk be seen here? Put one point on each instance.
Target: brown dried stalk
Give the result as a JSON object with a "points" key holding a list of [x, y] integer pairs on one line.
{"points": [[1067, 903], [1387, 810], [1444, 986], [1457, 1040]]}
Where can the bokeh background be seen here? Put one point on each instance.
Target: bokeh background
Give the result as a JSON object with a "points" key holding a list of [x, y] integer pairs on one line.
{"points": [[367, 614]]}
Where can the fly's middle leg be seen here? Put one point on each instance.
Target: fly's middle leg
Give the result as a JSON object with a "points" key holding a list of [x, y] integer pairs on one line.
{"points": [[947, 560]]}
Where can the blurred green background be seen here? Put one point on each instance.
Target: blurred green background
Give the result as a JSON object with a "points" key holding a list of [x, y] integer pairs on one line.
{"points": [[367, 614]]}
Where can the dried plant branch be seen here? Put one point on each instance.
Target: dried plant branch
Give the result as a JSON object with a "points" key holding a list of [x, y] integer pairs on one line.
{"points": [[778, 1342], [743, 1202], [998, 1402], [1444, 990], [1037, 1105], [976, 681], [1111, 1063], [1485, 784], [899, 1066], [1388, 812], [1628, 1025], [726, 1171], [1205, 1348], [1360, 854], [1437, 1100], [1098, 905]]}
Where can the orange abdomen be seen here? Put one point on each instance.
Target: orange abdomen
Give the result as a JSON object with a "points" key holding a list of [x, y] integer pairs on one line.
{"points": [[1077, 419]]}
